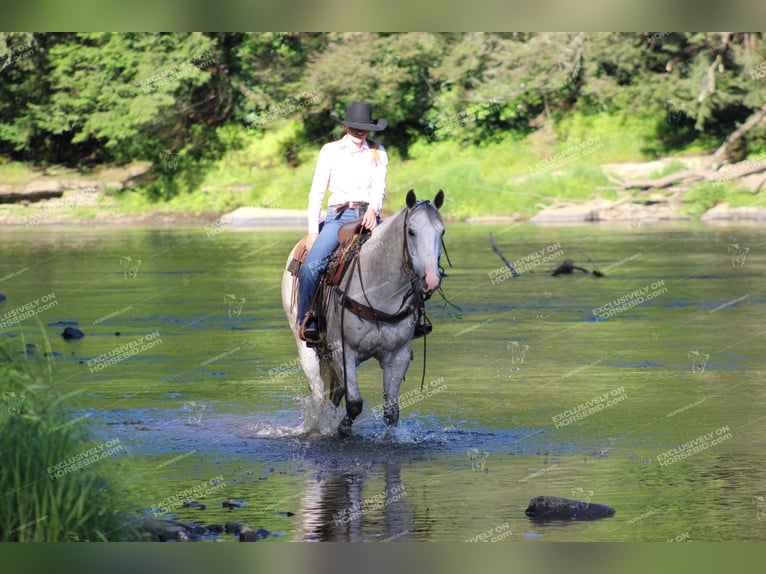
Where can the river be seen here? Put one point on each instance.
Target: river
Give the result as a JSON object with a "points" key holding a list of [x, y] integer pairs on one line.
{"points": [[641, 389]]}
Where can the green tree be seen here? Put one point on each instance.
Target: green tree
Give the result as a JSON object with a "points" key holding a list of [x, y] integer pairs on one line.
{"points": [[90, 98], [391, 71]]}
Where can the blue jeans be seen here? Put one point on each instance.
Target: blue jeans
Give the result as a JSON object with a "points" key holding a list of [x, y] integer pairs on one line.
{"points": [[316, 260]]}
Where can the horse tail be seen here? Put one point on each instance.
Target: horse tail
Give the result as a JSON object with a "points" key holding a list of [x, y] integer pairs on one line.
{"points": [[334, 388]]}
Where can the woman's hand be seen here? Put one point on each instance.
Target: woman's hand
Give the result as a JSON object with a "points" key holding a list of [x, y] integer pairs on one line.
{"points": [[370, 219]]}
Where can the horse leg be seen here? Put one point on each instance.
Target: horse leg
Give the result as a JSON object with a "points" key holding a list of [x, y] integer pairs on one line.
{"points": [[308, 357], [354, 401], [394, 369]]}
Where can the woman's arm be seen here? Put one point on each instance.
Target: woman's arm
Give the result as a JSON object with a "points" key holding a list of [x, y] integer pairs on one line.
{"points": [[319, 188]]}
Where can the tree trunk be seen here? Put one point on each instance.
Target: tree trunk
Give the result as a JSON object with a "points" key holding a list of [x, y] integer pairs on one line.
{"points": [[755, 118]]}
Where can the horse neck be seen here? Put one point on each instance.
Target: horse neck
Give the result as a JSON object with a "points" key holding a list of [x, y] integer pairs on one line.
{"points": [[382, 266]]}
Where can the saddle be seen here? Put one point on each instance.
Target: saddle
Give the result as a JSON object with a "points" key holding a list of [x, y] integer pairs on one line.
{"points": [[351, 237], [348, 235]]}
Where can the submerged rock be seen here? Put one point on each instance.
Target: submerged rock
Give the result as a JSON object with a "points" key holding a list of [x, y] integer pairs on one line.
{"points": [[250, 536], [72, 333], [557, 508], [232, 504], [234, 527], [161, 530]]}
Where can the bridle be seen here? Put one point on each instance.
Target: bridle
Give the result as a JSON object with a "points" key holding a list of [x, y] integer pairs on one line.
{"points": [[417, 297]]}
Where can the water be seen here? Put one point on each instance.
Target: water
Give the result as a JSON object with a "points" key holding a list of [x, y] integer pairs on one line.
{"points": [[209, 397]]}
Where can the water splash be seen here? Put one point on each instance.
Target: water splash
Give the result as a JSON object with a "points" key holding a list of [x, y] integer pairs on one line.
{"points": [[315, 420], [320, 419]]}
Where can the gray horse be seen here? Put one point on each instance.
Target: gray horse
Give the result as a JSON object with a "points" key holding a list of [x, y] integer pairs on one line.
{"points": [[374, 311]]}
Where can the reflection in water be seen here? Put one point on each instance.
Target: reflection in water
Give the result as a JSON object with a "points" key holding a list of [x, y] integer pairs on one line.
{"points": [[335, 509]]}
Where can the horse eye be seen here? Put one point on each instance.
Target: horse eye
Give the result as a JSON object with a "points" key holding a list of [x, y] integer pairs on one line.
{"points": [[411, 232]]}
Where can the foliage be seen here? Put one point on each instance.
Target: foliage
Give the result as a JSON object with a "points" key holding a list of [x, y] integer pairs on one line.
{"points": [[702, 196], [35, 434], [185, 101]]}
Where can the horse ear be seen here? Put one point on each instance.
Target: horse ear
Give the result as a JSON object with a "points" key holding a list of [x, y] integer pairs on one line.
{"points": [[439, 199], [411, 199]]}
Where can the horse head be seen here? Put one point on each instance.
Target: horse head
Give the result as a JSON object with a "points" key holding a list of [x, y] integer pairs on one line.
{"points": [[423, 240]]}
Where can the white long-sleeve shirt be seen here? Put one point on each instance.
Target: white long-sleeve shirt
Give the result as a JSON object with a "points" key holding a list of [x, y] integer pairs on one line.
{"points": [[350, 175]]}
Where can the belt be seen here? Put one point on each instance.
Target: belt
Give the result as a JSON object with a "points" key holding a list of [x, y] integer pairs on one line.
{"points": [[355, 205]]}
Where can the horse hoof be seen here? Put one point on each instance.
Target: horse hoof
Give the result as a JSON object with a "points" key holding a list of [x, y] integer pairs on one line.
{"points": [[391, 421], [344, 428], [391, 416]]}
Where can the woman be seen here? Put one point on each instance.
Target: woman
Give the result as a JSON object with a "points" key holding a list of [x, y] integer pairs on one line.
{"points": [[354, 170]]}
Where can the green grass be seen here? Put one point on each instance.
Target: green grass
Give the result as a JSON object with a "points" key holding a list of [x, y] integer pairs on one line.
{"points": [[478, 180], [702, 196], [16, 172], [34, 435], [495, 178]]}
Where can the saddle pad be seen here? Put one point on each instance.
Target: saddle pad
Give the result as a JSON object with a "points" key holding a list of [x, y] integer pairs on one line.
{"points": [[298, 258]]}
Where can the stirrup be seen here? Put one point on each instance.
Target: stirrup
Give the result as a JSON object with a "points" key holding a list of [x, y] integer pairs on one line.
{"points": [[312, 340]]}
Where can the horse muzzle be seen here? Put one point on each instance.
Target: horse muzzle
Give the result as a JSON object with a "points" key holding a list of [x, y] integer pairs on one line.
{"points": [[429, 283]]}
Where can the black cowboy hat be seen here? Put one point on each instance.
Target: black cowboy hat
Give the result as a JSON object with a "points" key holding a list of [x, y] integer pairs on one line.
{"points": [[359, 116]]}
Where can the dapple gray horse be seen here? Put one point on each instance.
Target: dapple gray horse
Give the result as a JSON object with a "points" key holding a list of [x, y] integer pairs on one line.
{"points": [[397, 267]]}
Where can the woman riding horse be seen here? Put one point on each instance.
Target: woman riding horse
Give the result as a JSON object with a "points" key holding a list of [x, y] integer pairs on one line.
{"points": [[354, 169]]}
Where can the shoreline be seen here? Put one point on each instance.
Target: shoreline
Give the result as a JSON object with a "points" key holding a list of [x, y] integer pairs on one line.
{"points": [[65, 198], [592, 212]]}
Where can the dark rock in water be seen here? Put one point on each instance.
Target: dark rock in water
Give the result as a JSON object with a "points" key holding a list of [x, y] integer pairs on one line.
{"points": [[234, 527], [250, 536], [2, 297], [72, 333], [556, 508], [117, 333], [232, 504], [288, 513], [160, 530], [194, 530], [568, 266], [62, 323], [217, 528], [194, 504]]}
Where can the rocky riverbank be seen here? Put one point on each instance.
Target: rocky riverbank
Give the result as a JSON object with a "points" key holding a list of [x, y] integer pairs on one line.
{"points": [[149, 529], [72, 199]]}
